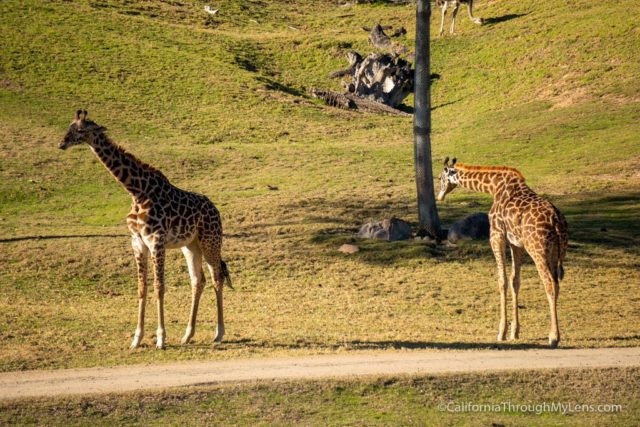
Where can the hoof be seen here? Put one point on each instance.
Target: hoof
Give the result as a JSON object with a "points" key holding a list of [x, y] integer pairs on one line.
{"points": [[515, 333], [553, 343], [502, 337], [219, 334], [137, 340], [186, 339]]}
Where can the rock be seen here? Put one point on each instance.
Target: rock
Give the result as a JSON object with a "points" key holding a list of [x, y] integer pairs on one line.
{"points": [[390, 229], [474, 226], [349, 249]]}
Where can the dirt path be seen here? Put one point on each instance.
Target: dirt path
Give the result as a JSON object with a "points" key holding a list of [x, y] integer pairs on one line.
{"points": [[127, 378]]}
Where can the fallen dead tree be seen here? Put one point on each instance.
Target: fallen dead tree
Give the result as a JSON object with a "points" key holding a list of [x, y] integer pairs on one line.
{"points": [[378, 82], [349, 101]]}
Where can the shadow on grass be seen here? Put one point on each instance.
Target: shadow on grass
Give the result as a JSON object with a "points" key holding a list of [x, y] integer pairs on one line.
{"points": [[377, 345], [595, 221], [610, 221], [503, 18], [61, 236]]}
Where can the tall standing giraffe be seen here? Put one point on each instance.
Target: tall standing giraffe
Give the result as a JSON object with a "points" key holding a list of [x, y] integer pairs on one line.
{"points": [[162, 217], [522, 220]]}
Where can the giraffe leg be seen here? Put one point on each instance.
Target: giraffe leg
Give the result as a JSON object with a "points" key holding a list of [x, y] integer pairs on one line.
{"points": [[456, 6], [444, 13], [498, 245], [470, 10], [193, 255], [157, 255], [552, 289], [517, 255], [214, 264], [141, 254]]}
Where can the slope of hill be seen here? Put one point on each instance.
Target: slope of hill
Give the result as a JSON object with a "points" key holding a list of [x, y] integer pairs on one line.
{"points": [[220, 105]]}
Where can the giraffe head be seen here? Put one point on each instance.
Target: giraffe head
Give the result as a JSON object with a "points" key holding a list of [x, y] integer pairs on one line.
{"points": [[80, 130], [448, 179]]}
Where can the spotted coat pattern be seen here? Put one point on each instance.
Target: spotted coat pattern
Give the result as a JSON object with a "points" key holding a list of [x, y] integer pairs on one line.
{"points": [[522, 221], [162, 217]]}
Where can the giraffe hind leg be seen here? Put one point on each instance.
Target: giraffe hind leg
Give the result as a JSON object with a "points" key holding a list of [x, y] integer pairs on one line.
{"points": [[552, 289], [193, 255], [219, 274]]}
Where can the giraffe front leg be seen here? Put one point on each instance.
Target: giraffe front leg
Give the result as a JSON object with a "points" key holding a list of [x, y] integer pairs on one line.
{"points": [[453, 17], [444, 13], [141, 255], [157, 255], [517, 255], [475, 20], [498, 245]]}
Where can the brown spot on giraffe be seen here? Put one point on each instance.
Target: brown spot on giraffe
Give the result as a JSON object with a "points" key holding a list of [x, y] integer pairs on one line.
{"points": [[162, 217], [523, 221]]}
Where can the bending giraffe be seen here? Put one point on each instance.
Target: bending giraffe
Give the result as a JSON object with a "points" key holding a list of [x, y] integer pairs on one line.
{"points": [[162, 217], [456, 5], [523, 221]]}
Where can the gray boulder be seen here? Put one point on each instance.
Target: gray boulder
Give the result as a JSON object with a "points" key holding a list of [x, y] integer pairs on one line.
{"points": [[472, 227], [390, 229]]}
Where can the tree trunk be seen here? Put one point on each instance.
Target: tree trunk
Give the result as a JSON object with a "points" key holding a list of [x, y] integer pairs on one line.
{"points": [[427, 212]]}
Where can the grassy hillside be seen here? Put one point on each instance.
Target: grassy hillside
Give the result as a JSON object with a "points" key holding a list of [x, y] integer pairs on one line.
{"points": [[220, 105]]}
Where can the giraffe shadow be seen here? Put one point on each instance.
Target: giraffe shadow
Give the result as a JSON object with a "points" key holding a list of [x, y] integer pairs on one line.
{"points": [[362, 345], [61, 236], [504, 18]]}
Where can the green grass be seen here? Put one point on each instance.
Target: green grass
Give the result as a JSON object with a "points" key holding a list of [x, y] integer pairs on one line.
{"points": [[220, 105], [385, 401]]}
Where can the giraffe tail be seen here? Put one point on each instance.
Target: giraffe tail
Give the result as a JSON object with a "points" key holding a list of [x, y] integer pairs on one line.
{"points": [[225, 274], [562, 249]]}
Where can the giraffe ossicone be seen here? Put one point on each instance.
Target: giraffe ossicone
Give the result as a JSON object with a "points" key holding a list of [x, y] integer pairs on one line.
{"points": [[524, 222], [162, 217]]}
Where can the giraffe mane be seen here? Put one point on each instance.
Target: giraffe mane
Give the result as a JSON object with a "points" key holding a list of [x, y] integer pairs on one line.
{"points": [[505, 169], [142, 164]]}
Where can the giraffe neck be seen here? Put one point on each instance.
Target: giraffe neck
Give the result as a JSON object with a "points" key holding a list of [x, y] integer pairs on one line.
{"points": [[490, 181], [134, 175]]}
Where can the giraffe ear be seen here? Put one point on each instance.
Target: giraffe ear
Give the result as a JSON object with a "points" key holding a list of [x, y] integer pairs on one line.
{"points": [[453, 162], [84, 115], [446, 161], [77, 116]]}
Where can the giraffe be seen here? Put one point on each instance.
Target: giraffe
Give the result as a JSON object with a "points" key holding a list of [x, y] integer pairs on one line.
{"points": [[162, 217], [524, 222], [456, 6]]}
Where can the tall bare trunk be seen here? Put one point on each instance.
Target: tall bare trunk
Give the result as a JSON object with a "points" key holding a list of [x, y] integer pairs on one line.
{"points": [[427, 212]]}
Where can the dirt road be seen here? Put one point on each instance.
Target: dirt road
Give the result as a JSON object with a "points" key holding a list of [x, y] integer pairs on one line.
{"points": [[142, 377]]}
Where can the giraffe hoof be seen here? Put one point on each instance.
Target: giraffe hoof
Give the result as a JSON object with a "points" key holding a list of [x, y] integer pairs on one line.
{"points": [[137, 340], [502, 337], [553, 343], [219, 334], [185, 340]]}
